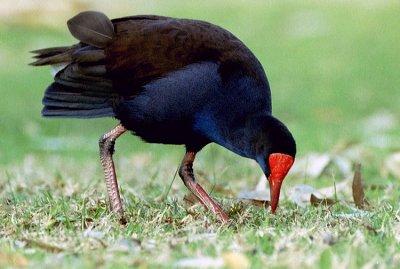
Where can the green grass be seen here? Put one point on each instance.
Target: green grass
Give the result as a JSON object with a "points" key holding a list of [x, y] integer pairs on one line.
{"points": [[331, 66]]}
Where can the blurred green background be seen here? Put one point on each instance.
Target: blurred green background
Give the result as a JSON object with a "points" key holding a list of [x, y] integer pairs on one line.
{"points": [[334, 71], [333, 67]]}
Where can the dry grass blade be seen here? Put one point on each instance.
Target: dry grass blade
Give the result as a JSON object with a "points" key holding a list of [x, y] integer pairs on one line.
{"points": [[315, 201], [358, 190]]}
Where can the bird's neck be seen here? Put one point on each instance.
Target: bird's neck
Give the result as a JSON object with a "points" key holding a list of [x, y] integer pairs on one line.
{"points": [[237, 135]]}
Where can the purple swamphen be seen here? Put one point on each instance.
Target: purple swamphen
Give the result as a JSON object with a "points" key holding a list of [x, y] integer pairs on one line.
{"points": [[171, 81]]}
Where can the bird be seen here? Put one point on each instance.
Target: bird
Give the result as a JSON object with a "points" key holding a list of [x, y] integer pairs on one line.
{"points": [[168, 81]]}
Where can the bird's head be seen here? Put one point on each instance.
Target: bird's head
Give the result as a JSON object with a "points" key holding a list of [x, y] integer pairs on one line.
{"points": [[275, 153]]}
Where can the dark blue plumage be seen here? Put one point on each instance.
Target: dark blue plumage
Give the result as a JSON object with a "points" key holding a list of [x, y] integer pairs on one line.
{"points": [[172, 81], [195, 102]]}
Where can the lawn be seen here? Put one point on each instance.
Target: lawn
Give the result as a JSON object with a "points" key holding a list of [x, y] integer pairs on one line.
{"points": [[334, 73]]}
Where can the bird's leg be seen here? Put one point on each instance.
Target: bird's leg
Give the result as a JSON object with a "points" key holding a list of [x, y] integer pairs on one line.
{"points": [[186, 173], [106, 144]]}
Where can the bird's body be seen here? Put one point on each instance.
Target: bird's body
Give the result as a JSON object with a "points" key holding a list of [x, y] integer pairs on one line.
{"points": [[173, 81], [188, 105]]}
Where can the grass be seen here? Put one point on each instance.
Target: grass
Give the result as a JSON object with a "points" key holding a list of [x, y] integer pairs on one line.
{"points": [[331, 66]]}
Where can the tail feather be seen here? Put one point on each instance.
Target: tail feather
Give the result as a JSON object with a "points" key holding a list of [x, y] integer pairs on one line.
{"points": [[88, 54], [64, 101], [74, 101], [47, 52], [53, 56], [56, 112], [53, 60], [81, 87], [91, 27], [73, 76]]}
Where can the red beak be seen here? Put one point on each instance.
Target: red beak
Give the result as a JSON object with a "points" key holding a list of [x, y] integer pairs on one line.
{"points": [[279, 165]]}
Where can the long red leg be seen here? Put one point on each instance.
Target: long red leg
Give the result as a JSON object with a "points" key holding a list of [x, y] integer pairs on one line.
{"points": [[106, 144], [186, 173]]}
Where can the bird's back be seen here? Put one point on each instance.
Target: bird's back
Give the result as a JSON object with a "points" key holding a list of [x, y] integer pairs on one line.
{"points": [[116, 59], [146, 48]]}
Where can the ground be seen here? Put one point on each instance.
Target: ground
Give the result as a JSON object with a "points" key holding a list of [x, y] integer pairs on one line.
{"points": [[333, 70]]}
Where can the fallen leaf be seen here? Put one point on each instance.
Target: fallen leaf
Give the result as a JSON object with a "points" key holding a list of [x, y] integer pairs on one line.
{"points": [[311, 165], [255, 198], [44, 245], [255, 202], [358, 189], [300, 194], [315, 201]]}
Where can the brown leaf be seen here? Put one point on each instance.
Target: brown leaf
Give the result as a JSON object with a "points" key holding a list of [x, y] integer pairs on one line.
{"points": [[256, 202], [44, 245], [315, 201], [253, 198], [358, 190]]}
